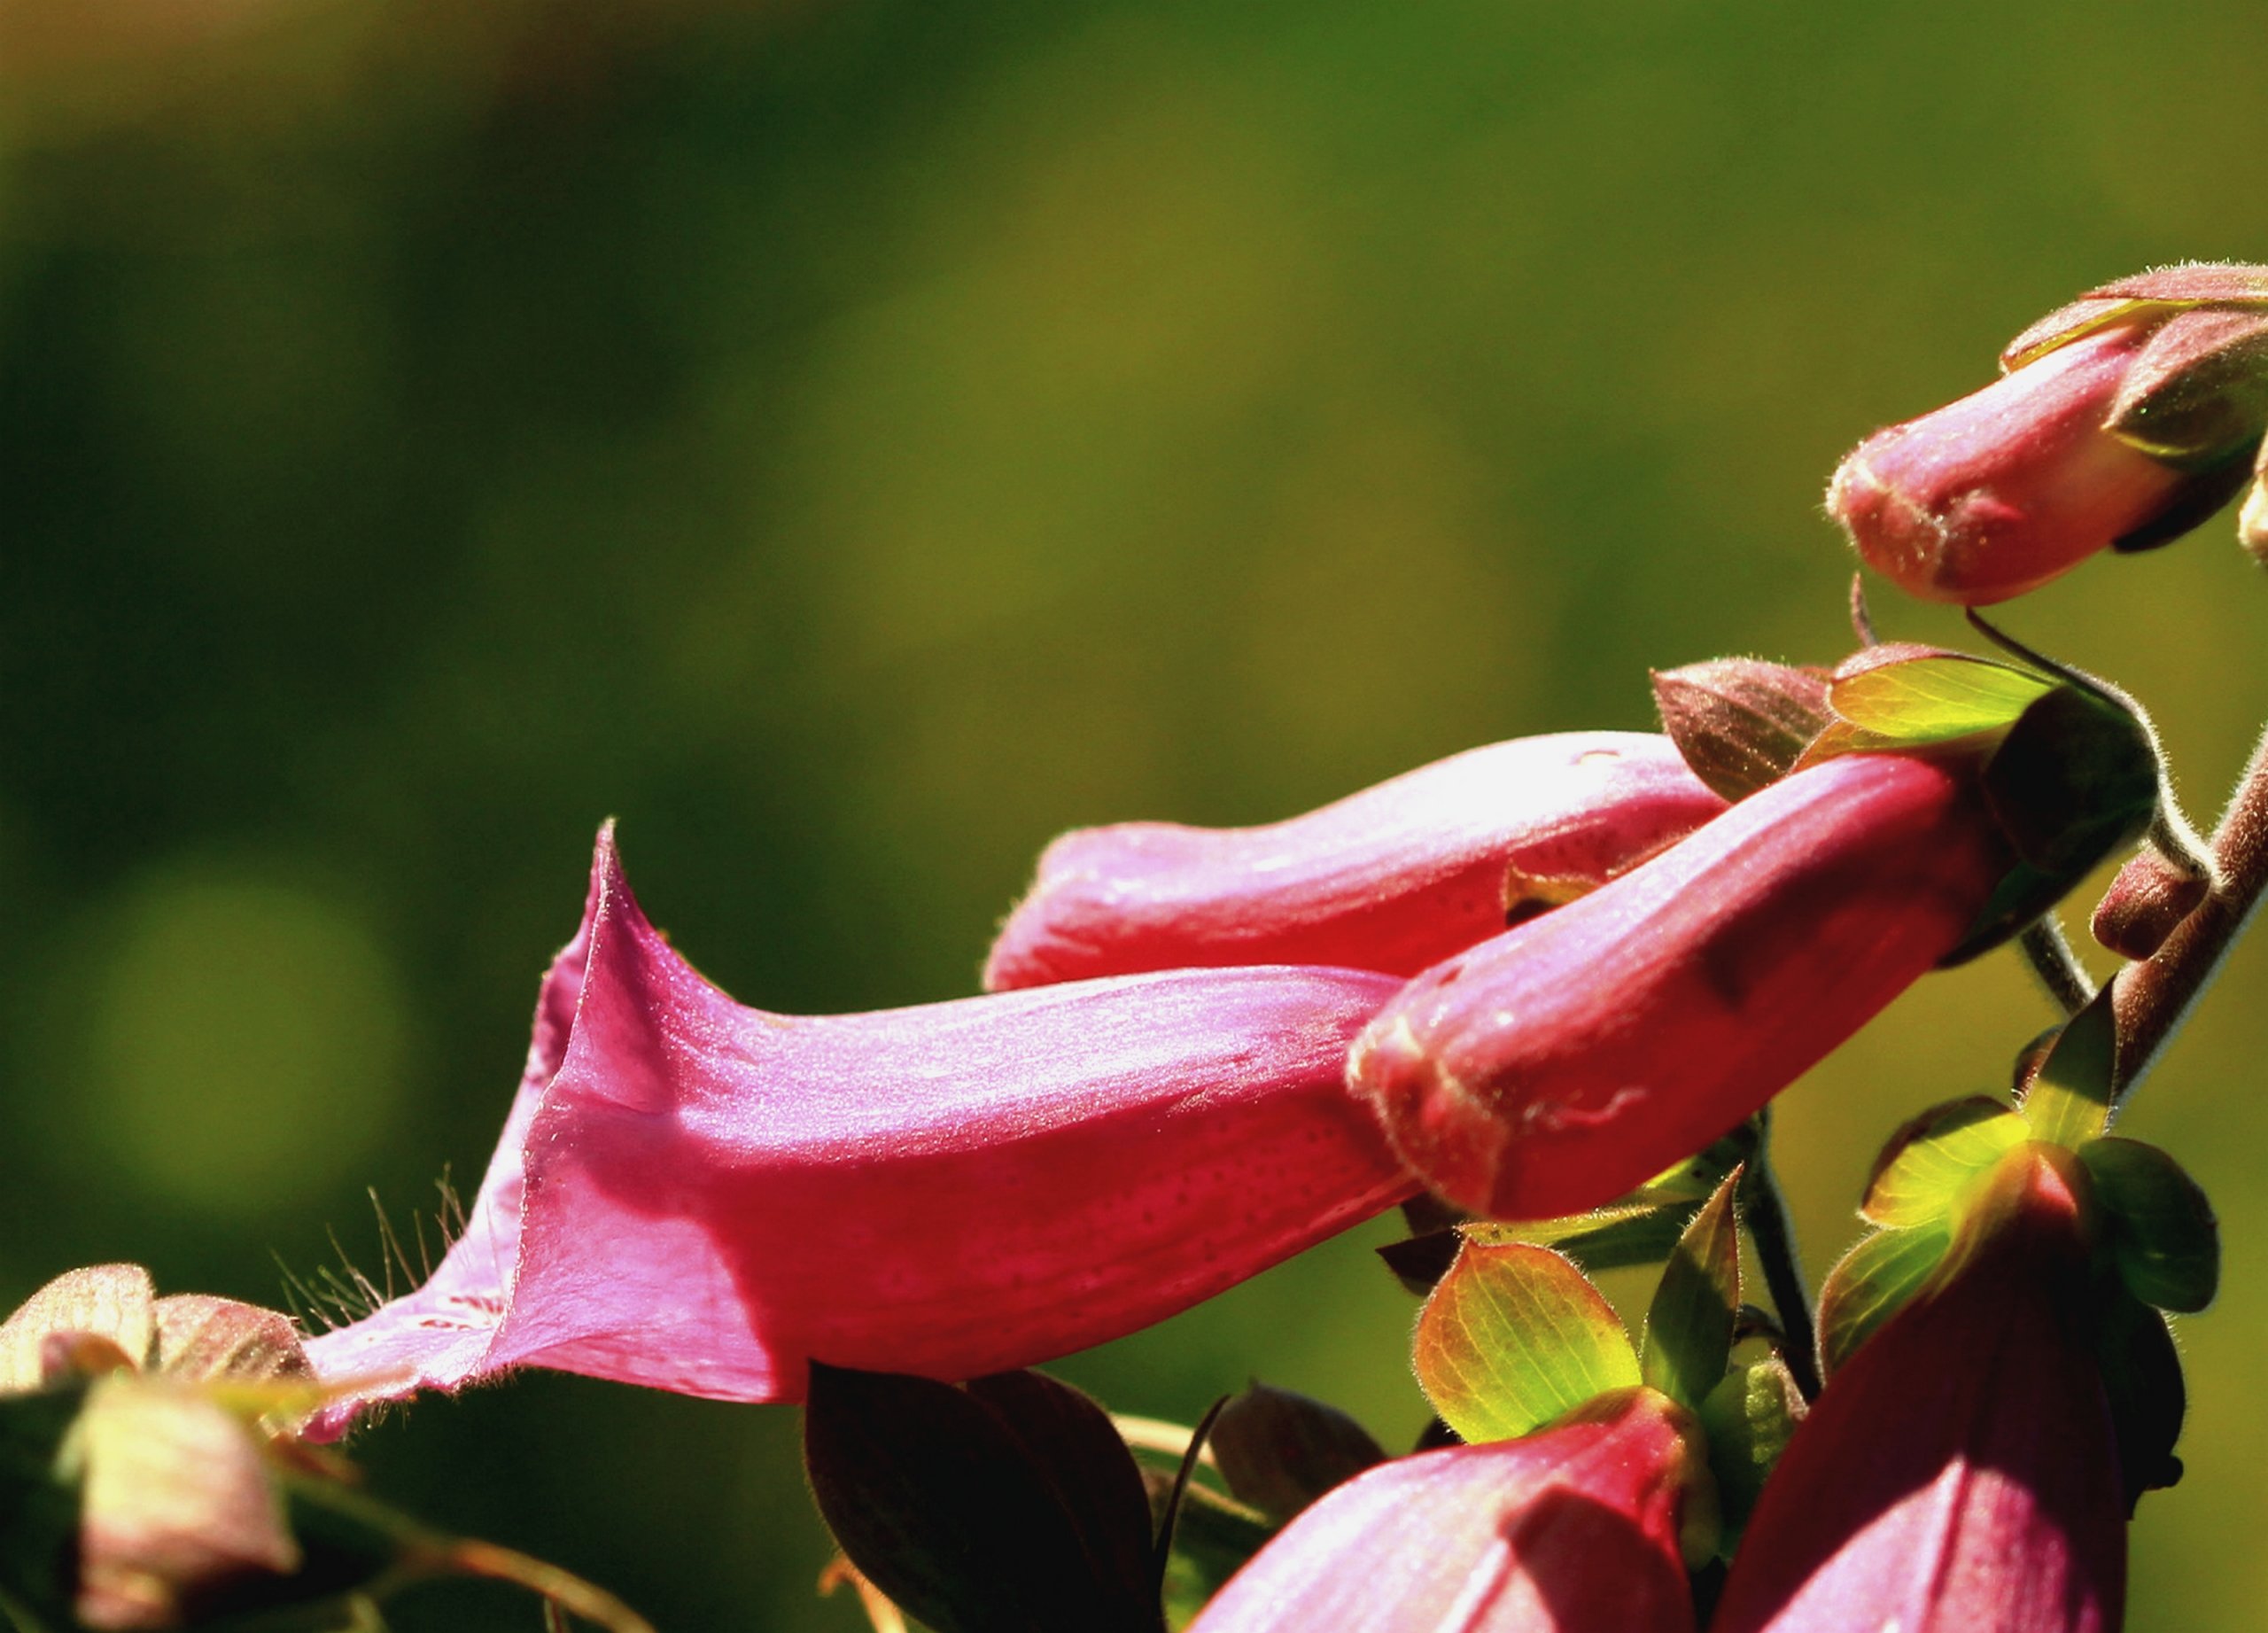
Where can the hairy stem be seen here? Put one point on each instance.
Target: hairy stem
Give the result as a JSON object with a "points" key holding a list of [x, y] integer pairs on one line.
{"points": [[1772, 1232], [2153, 997], [2048, 951]]}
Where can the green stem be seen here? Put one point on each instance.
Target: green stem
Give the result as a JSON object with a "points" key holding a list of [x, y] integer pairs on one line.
{"points": [[2048, 951], [1772, 1232]]}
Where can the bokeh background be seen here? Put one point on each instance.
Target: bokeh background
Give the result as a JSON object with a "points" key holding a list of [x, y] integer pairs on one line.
{"points": [[852, 441]]}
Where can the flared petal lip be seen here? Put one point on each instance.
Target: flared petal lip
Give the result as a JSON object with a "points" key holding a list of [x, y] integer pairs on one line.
{"points": [[701, 1197]]}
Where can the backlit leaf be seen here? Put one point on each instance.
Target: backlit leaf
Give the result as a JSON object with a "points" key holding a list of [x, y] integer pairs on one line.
{"points": [[1515, 1337]]}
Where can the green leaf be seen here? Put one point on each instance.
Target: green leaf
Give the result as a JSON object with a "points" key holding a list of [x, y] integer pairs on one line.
{"points": [[2141, 1378], [2068, 1100], [1689, 1323], [1926, 700], [1871, 1283], [1921, 1172], [2163, 1236], [1749, 1418], [1515, 1337]]}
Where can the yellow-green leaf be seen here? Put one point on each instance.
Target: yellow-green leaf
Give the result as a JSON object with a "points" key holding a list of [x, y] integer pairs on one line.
{"points": [[1515, 1337], [1935, 699], [1689, 1323], [1921, 1172], [1871, 1283]]}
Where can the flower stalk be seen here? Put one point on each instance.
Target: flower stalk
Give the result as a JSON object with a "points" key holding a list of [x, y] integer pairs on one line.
{"points": [[2155, 996], [1772, 1232]]}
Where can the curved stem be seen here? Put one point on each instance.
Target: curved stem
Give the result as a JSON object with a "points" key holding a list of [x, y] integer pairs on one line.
{"points": [[2048, 951], [1772, 1232], [2153, 997]]}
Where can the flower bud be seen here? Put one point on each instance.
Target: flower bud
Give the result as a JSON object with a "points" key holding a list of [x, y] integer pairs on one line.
{"points": [[1393, 878], [2146, 904], [1997, 493], [178, 1511], [2121, 422], [1551, 1069]]}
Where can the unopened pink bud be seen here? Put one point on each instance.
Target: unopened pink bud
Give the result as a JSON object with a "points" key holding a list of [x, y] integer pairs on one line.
{"points": [[1999, 492], [1393, 878], [1556, 1066]]}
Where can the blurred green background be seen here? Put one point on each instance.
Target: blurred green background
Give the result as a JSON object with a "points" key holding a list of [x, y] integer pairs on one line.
{"points": [[852, 441]]}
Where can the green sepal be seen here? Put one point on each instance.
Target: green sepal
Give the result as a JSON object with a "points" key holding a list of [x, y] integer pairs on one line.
{"points": [[1921, 1174], [1913, 701], [39, 1506], [1871, 1283], [2068, 1101], [2074, 778], [2142, 1379], [1696, 1179], [2197, 396], [2163, 1237], [1689, 1334], [1514, 1337], [1608, 1239], [1749, 1418]]}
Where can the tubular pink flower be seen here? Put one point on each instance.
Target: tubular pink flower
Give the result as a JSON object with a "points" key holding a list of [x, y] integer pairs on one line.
{"points": [[702, 1197], [1555, 1066], [1961, 1470], [1393, 878], [1995, 495], [1571, 1530]]}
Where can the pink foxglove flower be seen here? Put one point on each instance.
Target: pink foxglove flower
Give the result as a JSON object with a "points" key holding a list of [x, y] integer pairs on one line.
{"points": [[1961, 1470], [1393, 878], [1553, 1068], [1995, 495], [1574, 1529], [702, 1197]]}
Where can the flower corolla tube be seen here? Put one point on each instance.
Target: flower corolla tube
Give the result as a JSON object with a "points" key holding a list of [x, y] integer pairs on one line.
{"points": [[1961, 1472], [702, 1197], [1555, 1066], [1574, 1529], [1393, 878]]}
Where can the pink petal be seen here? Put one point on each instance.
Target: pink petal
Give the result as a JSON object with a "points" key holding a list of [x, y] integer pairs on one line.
{"points": [[1393, 878], [1553, 1068], [1572, 1530], [1960, 1473], [701, 1197]]}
